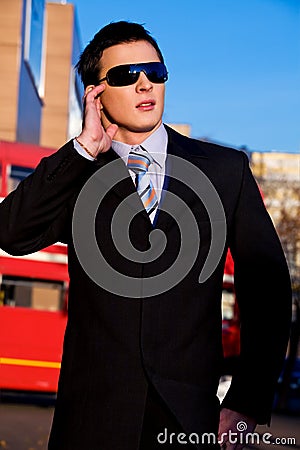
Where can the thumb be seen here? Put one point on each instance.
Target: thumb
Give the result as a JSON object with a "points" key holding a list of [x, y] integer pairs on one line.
{"points": [[111, 130]]}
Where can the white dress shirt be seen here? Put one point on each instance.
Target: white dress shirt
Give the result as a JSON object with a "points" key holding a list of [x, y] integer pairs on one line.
{"points": [[156, 145]]}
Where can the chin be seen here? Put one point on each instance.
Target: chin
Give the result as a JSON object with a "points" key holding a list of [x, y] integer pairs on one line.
{"points": [[146, 127]]}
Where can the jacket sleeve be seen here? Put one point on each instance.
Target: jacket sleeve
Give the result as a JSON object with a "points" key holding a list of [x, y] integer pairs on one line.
{"points": [[38, 212], [263, 291]]}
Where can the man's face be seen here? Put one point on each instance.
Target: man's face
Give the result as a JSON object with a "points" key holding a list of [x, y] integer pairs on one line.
{"points": [[137, 109]]}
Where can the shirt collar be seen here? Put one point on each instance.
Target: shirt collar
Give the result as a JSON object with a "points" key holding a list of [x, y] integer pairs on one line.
{"points": [[155, 144]]}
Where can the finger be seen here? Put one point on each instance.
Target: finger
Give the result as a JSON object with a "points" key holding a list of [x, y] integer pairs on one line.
{"points": [[93, 91], [89, 88], [231, 446], [86, 91]]}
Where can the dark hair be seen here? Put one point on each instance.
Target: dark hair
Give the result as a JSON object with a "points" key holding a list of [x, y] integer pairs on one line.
{"points": [[114, 33]]}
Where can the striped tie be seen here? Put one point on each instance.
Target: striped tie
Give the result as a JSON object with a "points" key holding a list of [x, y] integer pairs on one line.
{"points": [[139, 164]]}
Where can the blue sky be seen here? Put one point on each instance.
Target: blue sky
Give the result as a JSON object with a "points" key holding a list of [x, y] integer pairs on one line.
{"points": [[234, 65]]}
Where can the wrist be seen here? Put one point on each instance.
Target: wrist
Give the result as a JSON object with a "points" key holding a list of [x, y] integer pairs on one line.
{"points": [[87, 147]]}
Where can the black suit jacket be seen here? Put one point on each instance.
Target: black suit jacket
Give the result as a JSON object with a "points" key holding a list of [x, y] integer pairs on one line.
{"points": [[114, 345]]}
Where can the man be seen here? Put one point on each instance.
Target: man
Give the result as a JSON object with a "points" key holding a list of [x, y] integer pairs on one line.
{"points": [[141, 361]]}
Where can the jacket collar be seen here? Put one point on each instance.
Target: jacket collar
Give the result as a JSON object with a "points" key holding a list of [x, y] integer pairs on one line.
{"points": [[178, 146]]}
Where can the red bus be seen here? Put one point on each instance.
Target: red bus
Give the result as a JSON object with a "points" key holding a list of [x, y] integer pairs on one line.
{"points": [[230, 316], [33, 297]]}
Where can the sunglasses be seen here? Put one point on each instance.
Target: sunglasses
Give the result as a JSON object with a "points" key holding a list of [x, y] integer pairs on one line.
{"points": [[127, 74]]}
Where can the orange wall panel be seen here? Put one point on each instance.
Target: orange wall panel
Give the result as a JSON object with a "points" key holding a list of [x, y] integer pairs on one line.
{"points": [[58, 62], [10, 50]]}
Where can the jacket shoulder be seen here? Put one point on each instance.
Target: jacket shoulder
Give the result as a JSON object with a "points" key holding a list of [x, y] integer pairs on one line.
{"points": [[204, 149]]}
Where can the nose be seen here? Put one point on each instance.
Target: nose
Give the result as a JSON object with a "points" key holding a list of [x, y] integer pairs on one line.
{"points": [[143, 84]]}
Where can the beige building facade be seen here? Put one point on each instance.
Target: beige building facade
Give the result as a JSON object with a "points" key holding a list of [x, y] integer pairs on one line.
{"points": [[10, 49], [40, 93], [278, 175]]}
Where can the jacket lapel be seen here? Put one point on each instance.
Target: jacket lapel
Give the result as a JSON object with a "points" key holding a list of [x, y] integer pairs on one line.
{"points": [[117, 180], [178, 147]]}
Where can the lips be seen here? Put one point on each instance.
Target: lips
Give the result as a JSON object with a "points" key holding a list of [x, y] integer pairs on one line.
{"points": [[146, 104]]}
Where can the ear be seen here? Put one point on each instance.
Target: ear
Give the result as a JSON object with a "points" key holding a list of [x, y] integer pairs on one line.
{"points": [[89, 88]]}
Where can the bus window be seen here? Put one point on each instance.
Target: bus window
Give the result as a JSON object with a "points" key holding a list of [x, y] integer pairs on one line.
{"points": [[228, 304], [35, 294], [17, 174]]}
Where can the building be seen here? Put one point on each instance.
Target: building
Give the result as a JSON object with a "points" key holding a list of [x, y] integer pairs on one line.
{"points": [[39, 90], [182, 128], [278, 175], [41, 99]]}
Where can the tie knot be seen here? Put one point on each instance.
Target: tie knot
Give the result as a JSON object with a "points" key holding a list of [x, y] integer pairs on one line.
{"points": [[138, 163]]}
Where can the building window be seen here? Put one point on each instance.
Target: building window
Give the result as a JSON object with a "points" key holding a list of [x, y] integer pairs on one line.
{"points": [[75, 105], [33, 48], [41, 295], [17, 174]]}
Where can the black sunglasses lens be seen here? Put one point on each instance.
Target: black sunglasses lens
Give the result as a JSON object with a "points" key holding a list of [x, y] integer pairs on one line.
{"points": [[121, 76], [156, 72], [128, 74]]}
